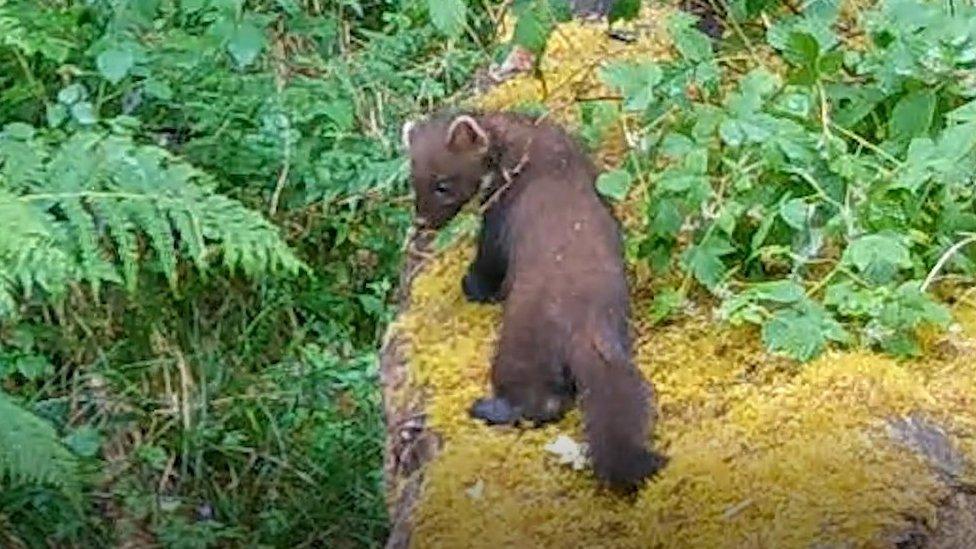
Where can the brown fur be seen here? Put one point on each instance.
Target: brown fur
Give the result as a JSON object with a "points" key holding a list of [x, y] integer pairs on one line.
{"points": [[551, 250]]}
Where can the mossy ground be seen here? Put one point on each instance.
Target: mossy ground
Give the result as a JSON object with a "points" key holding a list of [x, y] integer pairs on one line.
{"points": [[764, 452]]}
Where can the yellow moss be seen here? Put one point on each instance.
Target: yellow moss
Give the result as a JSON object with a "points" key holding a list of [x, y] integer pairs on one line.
{"points": [[764, 453]]}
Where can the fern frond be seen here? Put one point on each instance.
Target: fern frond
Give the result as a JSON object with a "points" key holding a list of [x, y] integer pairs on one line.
{"points": [[30, 451], [103, 208]]}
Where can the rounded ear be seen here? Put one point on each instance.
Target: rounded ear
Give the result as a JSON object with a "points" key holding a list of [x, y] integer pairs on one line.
{"points": [[408, 127], [466, 135]]}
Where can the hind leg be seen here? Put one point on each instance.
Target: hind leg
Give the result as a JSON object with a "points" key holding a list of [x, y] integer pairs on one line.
{"points": [[530, 382]]}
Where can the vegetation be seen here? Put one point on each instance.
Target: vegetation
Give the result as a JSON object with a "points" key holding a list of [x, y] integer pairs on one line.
{"points": [[202, 206], [816, 183], [201, 215]]}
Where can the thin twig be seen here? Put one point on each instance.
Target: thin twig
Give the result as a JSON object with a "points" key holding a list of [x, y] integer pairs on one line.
{"points": [[953, 250]]}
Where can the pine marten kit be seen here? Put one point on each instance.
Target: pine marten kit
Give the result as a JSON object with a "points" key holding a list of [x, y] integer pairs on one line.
{"points": [[550, 251]]}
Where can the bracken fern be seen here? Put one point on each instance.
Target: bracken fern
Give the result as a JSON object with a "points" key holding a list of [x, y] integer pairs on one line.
{"points": [[97, 208], [30, 451]]}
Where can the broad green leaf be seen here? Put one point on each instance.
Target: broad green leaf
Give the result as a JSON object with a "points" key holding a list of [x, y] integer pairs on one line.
{"points": [[636, 81], [33, 367], [794, 212], [246, 43], [114, 64], [533, 26], [692, 44], [851, 301], [666, 217], [705, 260], [84, 113], [912, 115], [878, 257], [158, 89], [84, 441], [342, 114], [614, 184], [69, 95], [448, 16], [794, 334], [779, 291]]}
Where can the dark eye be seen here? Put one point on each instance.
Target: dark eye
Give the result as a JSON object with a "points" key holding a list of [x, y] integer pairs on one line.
{"points": [[442, 188]]}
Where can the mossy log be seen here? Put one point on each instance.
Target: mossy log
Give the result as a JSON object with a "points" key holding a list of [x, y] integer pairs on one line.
{"points": [[852, 450]]}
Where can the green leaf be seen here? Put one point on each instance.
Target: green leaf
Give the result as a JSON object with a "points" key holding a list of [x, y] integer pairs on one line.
{"points": [[69, 95], [158, 89], [84, 113], [114, 64], [794, 334], [912, 115], [779, 291], [33, 367], [965, 113], [666, 302], [533, 26], [636, 80], [30, 450], [614, 184], [802, 332], [794, 212], [624, 10], [705, 260], [692, 44], [851, 301], [878, 257], [246, 42], [84, 441], [448, 16]]}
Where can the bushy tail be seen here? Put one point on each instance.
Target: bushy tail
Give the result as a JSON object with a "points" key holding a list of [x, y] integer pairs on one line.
{"points": [[618, 411]]}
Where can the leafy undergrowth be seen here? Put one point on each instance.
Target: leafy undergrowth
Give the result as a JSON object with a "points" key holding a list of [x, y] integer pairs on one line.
{"points": [[201, 216], [745, 193]]}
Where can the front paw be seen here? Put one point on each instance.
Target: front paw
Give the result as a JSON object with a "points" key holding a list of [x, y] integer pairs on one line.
{"points": [[476, 290]]}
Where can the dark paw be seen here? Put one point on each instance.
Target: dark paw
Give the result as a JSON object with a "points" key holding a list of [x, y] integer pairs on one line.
{"points": [[494, 411], [476, 290]]}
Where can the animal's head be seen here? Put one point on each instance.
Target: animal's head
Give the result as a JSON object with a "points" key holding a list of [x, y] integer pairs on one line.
{"points": [[448, 161]]}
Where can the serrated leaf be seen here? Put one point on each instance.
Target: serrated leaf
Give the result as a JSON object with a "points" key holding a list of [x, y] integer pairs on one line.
{"points": [[114, 64], [878, 257], [779, 291], [636, 81], [796, 335], [912, 115], [692, 44], [448, 16], [802, 332], [794, 213], [245, 43], [614, 184], [705, 261]]}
